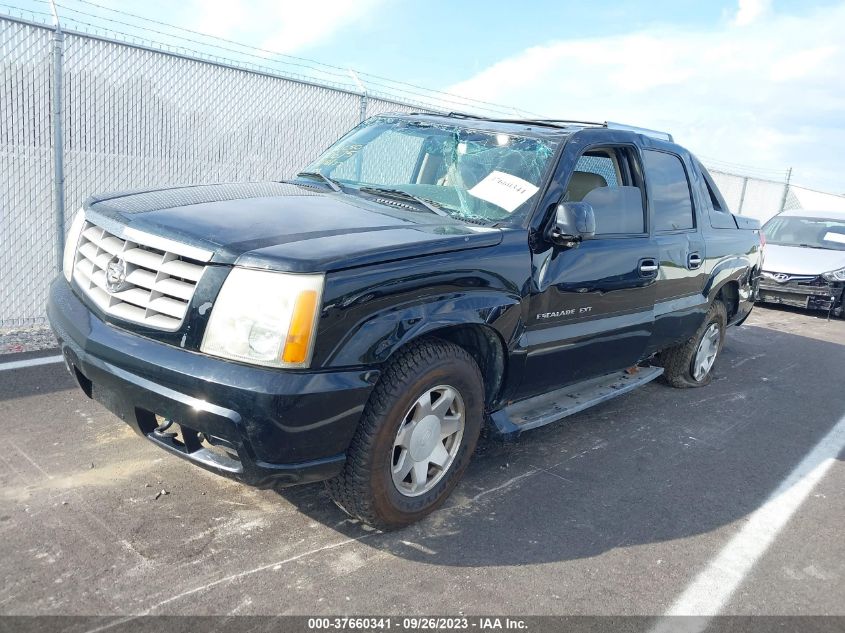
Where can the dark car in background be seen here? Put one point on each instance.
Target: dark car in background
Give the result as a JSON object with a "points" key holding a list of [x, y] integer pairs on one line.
{"points": [[805, 260]]}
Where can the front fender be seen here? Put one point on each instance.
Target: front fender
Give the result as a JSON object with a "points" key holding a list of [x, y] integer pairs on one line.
{"points": [[368, 313], [377, 337]]}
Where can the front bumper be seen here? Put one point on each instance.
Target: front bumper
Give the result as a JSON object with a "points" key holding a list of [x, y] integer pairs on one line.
{"points": [[262, 426], [813, 294]]}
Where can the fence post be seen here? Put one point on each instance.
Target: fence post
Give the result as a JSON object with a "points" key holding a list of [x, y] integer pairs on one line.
{"points": [[58, 144], [362, 112], [742, 194], [785, 190]]}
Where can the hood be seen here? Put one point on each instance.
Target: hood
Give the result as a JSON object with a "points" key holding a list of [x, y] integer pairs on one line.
{"points": [[798, 260], [288, 227]]}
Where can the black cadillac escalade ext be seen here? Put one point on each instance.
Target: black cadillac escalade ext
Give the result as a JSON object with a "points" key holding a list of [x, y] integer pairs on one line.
{"points": [[427, 275]]}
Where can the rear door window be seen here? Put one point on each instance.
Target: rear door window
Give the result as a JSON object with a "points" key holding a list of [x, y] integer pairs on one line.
{"points": [[670, 191]]}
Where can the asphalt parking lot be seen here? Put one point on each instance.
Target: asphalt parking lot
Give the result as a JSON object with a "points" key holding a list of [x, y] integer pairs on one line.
{"points": [[617, 510]]}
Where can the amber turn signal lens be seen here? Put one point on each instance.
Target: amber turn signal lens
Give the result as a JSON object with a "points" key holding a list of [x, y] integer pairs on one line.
{"points": [[301, 328]]}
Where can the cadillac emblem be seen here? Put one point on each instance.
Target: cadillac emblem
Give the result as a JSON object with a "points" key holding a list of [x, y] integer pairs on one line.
{"points": [[116, 275]]}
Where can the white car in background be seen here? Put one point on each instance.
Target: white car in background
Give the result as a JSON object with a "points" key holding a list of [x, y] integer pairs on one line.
{"points": [[804, 262]]}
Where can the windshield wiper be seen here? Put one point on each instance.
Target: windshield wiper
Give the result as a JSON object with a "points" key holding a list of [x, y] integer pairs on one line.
{"points": [[404, 195], [812, 246], [316, 174]]}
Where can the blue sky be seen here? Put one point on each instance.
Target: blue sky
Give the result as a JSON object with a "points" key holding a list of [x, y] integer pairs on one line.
{"points": [[450, 40], [754, 82]]}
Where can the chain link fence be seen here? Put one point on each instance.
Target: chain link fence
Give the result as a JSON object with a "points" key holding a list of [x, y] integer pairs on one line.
{"points": [[27, 218], [756, 197], [134, 116]]}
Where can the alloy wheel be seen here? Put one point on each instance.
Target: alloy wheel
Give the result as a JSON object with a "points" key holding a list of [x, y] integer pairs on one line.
{"points": [[427, 440]]}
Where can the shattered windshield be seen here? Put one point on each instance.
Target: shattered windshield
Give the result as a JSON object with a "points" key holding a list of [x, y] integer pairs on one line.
{"points": [[468, 174]]}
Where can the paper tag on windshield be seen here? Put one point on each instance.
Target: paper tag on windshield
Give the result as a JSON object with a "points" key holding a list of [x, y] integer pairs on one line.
{"points": [[504, 190], [830, 236]]}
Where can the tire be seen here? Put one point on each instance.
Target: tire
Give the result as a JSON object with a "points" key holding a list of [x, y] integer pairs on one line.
{"points": [[368, 488], [678, 362]]}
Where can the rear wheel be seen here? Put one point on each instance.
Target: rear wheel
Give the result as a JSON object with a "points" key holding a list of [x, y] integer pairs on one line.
{"points": [[416, 436], [691, 364]]}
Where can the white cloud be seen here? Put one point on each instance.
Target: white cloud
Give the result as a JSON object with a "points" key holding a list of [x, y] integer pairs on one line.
{"points": [[769, 94], [283, 26], [750, 11]]}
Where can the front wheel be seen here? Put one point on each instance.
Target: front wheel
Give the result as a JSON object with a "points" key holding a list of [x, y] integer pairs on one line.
{"points": [[416, 436], [691, 364]]}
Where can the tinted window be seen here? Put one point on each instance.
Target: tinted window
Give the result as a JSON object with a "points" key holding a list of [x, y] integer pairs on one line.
{"points": [[707, 201], [670, 193], [617, 210], [713, 199]]}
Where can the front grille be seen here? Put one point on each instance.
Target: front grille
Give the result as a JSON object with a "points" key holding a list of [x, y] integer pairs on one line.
{"points": [[133, 281], [786, 278], [801, 284]]}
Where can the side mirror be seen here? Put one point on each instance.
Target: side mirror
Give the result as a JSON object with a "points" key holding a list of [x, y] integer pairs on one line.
{"points": [[573, 222]]}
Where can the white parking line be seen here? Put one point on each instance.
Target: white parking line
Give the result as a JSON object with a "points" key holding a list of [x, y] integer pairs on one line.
{"points": [[714, 586], [32, 362]]}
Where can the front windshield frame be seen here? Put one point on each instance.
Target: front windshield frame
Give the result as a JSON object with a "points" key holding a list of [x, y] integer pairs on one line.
{"points": [[539, 154], [779, 222]]}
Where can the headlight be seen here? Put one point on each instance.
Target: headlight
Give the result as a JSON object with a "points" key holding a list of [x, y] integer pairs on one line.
{"points": [[835, 275], [265, 318], [71, 242]]}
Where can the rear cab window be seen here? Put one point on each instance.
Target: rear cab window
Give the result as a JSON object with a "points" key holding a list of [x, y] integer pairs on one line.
{"points": [[711, 200]]}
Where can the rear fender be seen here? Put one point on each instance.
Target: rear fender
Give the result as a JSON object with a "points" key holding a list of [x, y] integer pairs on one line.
{"points": [[738, 269]]}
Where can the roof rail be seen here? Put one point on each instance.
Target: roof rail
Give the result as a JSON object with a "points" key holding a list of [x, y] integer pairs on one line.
{"points": [[665, 136]]}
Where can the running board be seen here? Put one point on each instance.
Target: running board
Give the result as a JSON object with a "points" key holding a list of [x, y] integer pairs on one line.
{"points": [[551, 407]]}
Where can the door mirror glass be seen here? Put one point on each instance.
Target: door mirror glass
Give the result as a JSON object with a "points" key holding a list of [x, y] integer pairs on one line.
{"points": [[574, 221]]}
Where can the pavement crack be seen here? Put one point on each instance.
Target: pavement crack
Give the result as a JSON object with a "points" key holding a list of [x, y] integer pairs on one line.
{"points": [[553, 474], [30, 460]]}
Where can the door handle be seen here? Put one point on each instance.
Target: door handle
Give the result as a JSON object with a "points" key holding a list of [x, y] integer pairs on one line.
{"points": [[694, 261], [648, 267]]}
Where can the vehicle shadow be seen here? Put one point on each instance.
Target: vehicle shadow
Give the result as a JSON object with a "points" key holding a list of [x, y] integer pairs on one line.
{"points": [[656, 465]]}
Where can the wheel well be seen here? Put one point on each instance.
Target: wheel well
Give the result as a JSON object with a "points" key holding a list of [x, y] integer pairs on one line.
{"points": [[729, 295], [486, 348]]}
